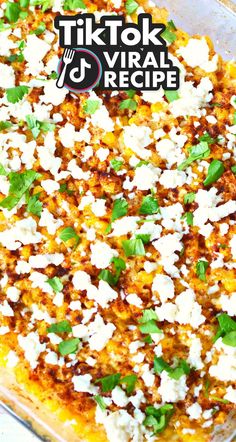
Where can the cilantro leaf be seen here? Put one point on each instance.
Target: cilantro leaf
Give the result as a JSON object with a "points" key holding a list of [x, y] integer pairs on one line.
{"points": [[91, 106], [133, 247], [130, 381], [148, 315], [64, 189], [55, 283], [207, 138], [226, 326], [109, 382], [201, 268], [5, 125], [40, 29], [60, 327], [107, 276], [168, 33], [120, 208], [173, 372], [149, 327], [12, 12], [15, 94], [69, 233], [34, 206], [189, 198], [19, 184], [145, 237], [3, 172], [233, 168], [36, 126], [230, 339], [131, 6], [71, 5], [46, 4], [116, 164], [128, 104], [197, 152], [100, 401], [215, 171], [172, 95], [149, 206], [69, 346], [188, 217], [158, 418]]}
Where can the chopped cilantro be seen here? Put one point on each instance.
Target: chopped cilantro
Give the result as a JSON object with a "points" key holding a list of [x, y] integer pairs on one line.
{"points": [[19, 184], [158, 418], [15, 94], [60, 327], [188, 217], [5, 125], [3, 172], [109, 382], [40, 29], [133, 247], [55, 283], [149, 206], [172, 95], [201, 268], [173, 372], [34, 206], [226, 330], [100, 401], [207, 138], [12, 12], [128, 104], [197, 152], [116, 164], [189, 198], [215, 171], [71, 5], [91, 106], [69, 346], [131, 6], [120, 208], [69, 233], [130, 381]]}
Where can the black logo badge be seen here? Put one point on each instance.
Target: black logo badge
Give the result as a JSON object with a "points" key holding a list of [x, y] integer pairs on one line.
{"points": [[113, 53]]}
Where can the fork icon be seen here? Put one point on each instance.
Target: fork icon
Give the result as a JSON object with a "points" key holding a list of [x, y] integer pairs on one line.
{"points": [[67, 58]]}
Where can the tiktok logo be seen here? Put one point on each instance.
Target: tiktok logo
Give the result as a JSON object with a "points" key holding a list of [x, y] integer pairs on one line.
{"points": [[79, 70]]}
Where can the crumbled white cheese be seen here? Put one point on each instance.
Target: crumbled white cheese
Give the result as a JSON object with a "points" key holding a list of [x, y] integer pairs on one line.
{"points": [[137, 138], [230, 394], [164, 286], [32, 347], [82, 384], [7, 78], [13, 294], [172, 390], [102, 254], [22, 232], [42, 261], [225, 368], [196, 54], [194, 411]]}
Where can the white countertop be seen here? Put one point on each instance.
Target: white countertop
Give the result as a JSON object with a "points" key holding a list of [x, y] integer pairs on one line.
{"points": [[12, 431]]}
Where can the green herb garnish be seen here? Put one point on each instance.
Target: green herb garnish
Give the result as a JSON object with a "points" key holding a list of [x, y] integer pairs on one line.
{"points": [[133, 247], [69, 346], [197, 152], [215, 171], [55, 283], [60, 327], [201, 269]]}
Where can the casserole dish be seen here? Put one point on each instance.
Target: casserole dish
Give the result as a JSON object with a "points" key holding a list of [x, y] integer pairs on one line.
{"points": [[35, 397]]}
